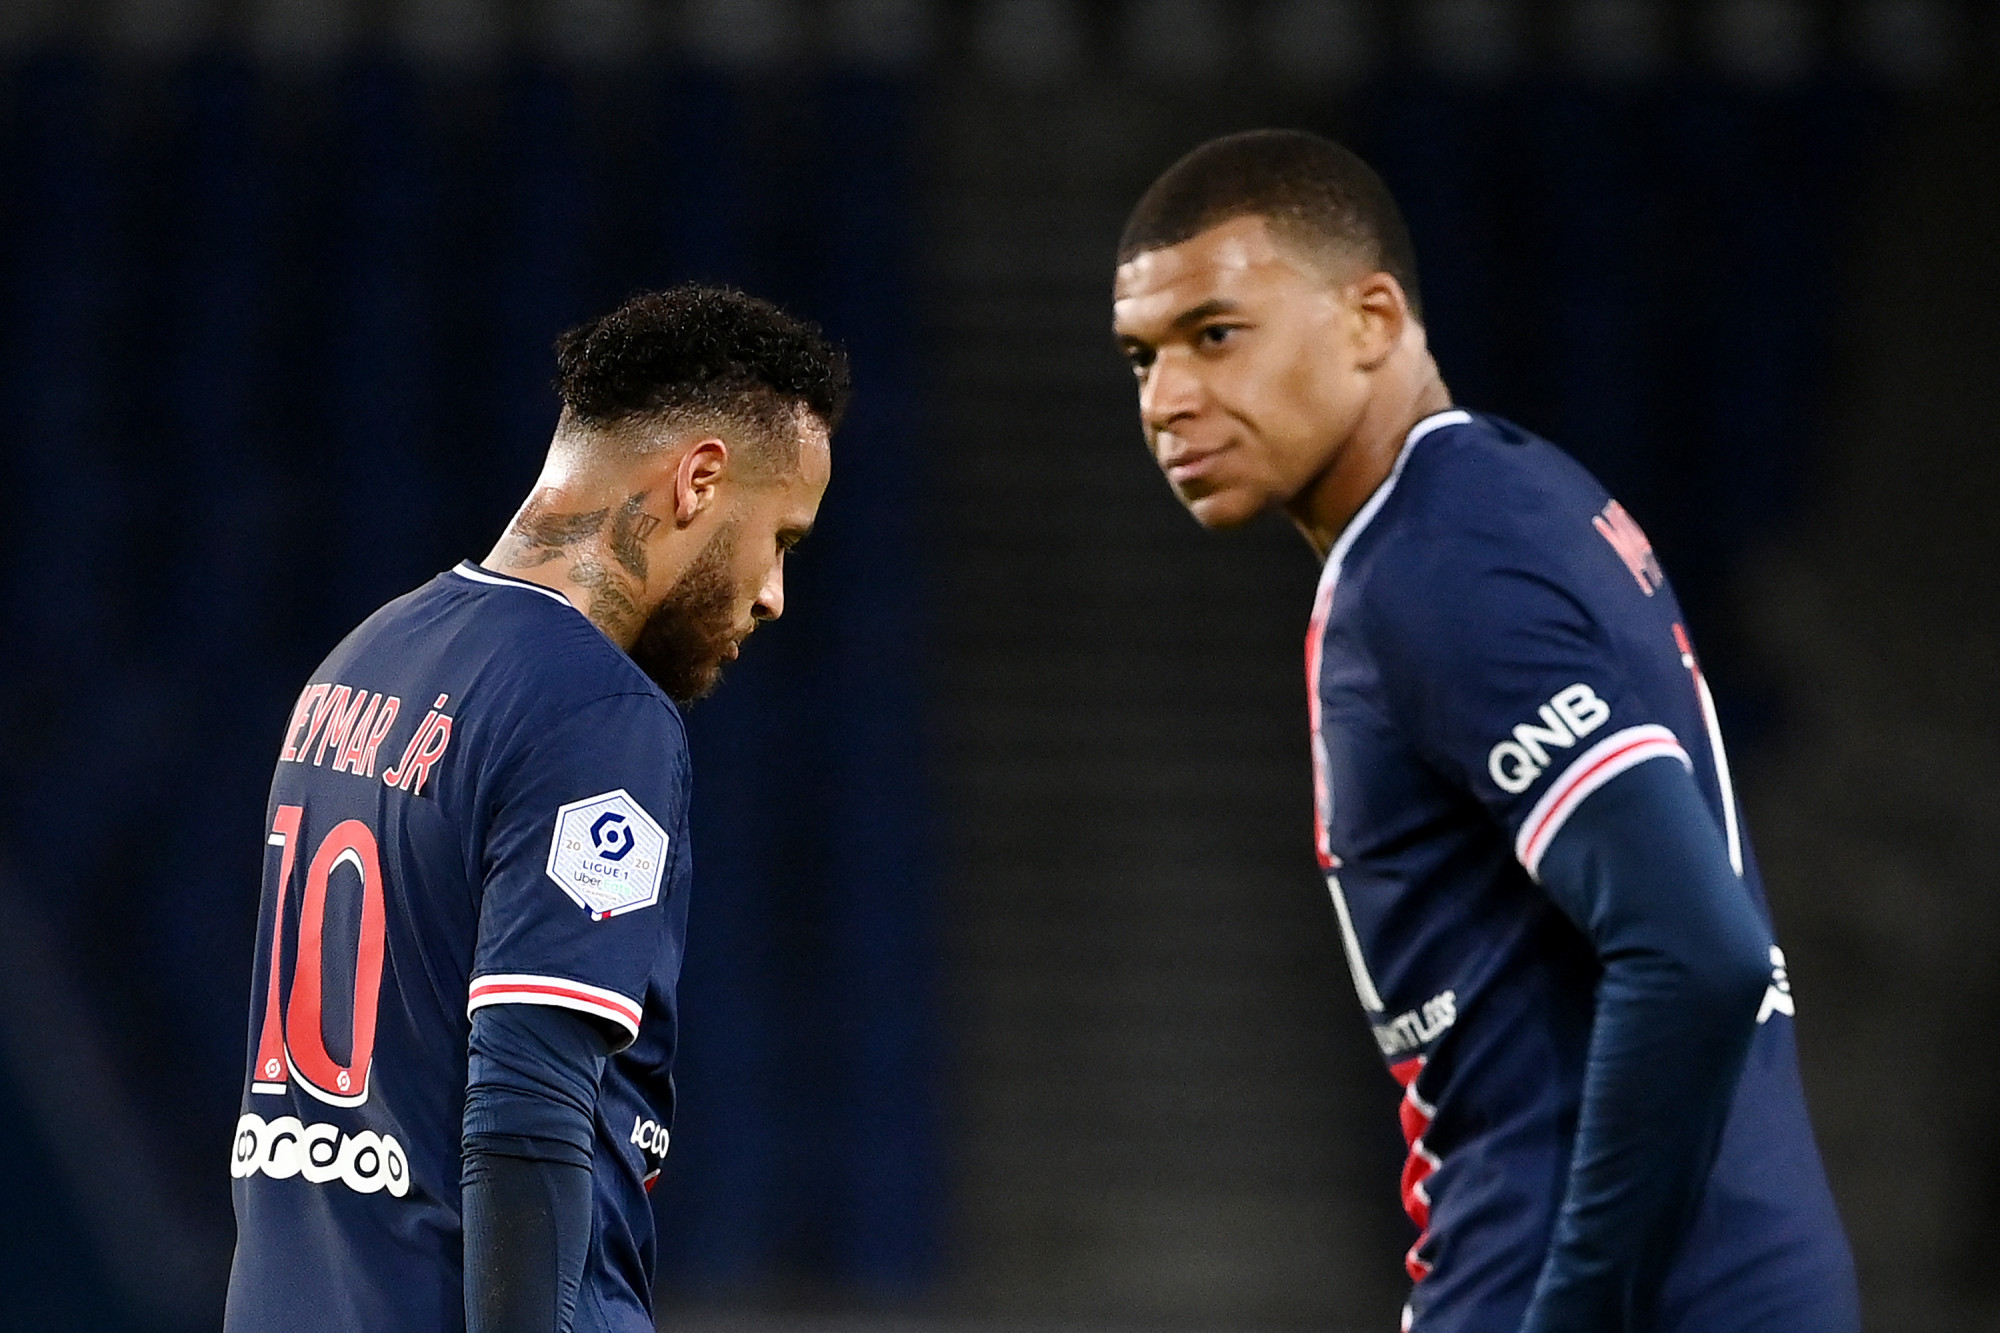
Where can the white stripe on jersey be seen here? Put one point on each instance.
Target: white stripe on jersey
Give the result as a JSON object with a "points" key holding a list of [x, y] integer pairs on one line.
{"points": [[1589, 771], [1357, 964], [525, 988], [465, 569], [1457, 416], [1722, 781], [1316, 632]]}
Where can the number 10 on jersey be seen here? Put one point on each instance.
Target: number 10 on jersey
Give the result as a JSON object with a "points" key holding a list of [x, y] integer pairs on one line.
{"points": [[292, 1042]]}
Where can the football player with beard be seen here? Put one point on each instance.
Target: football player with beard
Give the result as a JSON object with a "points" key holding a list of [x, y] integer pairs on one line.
{"points": [[462, 1023]]}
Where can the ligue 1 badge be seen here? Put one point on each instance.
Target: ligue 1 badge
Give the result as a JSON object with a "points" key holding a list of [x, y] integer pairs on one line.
{"points": [[608, 854]]}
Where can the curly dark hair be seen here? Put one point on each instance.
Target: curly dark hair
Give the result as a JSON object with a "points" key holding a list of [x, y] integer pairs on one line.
{"points": [[703, 354], [1310, 188]]}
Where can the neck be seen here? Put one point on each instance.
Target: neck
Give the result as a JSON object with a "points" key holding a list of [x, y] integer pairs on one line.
{"points": [[1363, 461], [593, 554]]}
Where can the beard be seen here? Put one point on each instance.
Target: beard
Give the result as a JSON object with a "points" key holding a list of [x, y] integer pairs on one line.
{"points": [[684, 641]]}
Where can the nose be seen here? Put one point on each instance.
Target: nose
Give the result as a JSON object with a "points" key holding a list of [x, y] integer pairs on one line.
{"points": [[770, 603], [1169, 393]]}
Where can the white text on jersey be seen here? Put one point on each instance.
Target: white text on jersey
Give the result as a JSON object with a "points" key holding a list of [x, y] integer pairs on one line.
{"points": [[1418, 1027], [649, 1136], [1777, 995], [366, 1163], [1567, 718]]}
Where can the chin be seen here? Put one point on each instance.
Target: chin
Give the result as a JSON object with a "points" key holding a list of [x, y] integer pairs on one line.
{"points": [[1222, 510]]}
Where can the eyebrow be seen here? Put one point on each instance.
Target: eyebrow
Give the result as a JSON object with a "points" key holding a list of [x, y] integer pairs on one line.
{"points": [[1186, 319], [1206, 310]]}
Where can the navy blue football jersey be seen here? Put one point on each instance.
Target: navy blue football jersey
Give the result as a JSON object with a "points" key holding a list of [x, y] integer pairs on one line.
{"points": [[1492, 641], [479, 800]]}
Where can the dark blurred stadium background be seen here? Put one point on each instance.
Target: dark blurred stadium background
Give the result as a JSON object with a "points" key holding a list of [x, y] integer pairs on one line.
{"points": [[1012, 996]]}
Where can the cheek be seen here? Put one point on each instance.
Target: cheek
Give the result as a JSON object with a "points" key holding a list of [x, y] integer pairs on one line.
{"points": [[1322, 403], [1312, 385], [751, 579], [1284, 403]]}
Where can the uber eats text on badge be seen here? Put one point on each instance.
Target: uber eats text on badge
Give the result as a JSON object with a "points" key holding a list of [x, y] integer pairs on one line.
{"points": [[608, 854]]}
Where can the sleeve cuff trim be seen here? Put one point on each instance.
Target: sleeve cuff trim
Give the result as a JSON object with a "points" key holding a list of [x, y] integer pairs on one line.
{"points": [[1589, 771], [518, 988]]}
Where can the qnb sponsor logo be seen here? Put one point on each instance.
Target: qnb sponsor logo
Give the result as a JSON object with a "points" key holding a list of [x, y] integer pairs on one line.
{"points": [[1572, 714], [366, 1163], [1418, 1027]]}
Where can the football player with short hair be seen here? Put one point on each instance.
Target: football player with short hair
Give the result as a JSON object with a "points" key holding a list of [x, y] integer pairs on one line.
{"points": [[1525, 817], [462, 1024]]}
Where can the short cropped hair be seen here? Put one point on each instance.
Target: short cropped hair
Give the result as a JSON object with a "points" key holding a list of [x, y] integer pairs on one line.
{"points": [[703, 356], [1311, 190]]}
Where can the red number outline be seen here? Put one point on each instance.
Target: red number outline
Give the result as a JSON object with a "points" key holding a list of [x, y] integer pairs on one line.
{"points": [[291, 1043]]}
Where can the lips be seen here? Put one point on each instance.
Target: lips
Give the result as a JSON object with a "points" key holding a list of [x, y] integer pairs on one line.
{"points": [[1185, 469]]}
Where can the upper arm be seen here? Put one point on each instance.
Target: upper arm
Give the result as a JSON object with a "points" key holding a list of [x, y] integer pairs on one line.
{"points": [[1523, 698], [532, 1078], [1512, 688], [1643, 870], [587, 831]]}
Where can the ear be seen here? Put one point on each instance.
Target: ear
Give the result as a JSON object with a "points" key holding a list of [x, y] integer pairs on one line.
{"points": [[1381, 313], [696, 477]]}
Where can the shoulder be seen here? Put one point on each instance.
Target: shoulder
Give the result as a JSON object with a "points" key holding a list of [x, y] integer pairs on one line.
{"points": [[574, 680], [1479, 508], [1489, 487], [1487, 535], [528, 659]]}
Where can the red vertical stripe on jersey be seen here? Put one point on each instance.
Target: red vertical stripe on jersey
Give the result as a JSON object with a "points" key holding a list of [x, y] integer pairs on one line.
{"points": [[1315, 649], [1416, 1115]]}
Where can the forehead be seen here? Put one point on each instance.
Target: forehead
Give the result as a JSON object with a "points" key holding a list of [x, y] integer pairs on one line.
{"points": [[1232, 260], [815, 453], [792, 496]]}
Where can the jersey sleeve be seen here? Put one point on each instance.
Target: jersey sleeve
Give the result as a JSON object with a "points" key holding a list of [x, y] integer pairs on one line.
{"points": [[588, 827], [1508, 684]]}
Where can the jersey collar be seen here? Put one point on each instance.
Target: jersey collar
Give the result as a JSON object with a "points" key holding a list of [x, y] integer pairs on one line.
{"points": [[466, 569], [1456, 416]]}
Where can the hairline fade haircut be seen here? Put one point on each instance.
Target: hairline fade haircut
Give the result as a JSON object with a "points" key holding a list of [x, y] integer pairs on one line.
{"points": [[1311, 190], [698, 358]]}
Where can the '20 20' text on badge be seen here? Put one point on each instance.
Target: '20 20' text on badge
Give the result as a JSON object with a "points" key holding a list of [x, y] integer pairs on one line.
{"points": [[608, 854]]}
